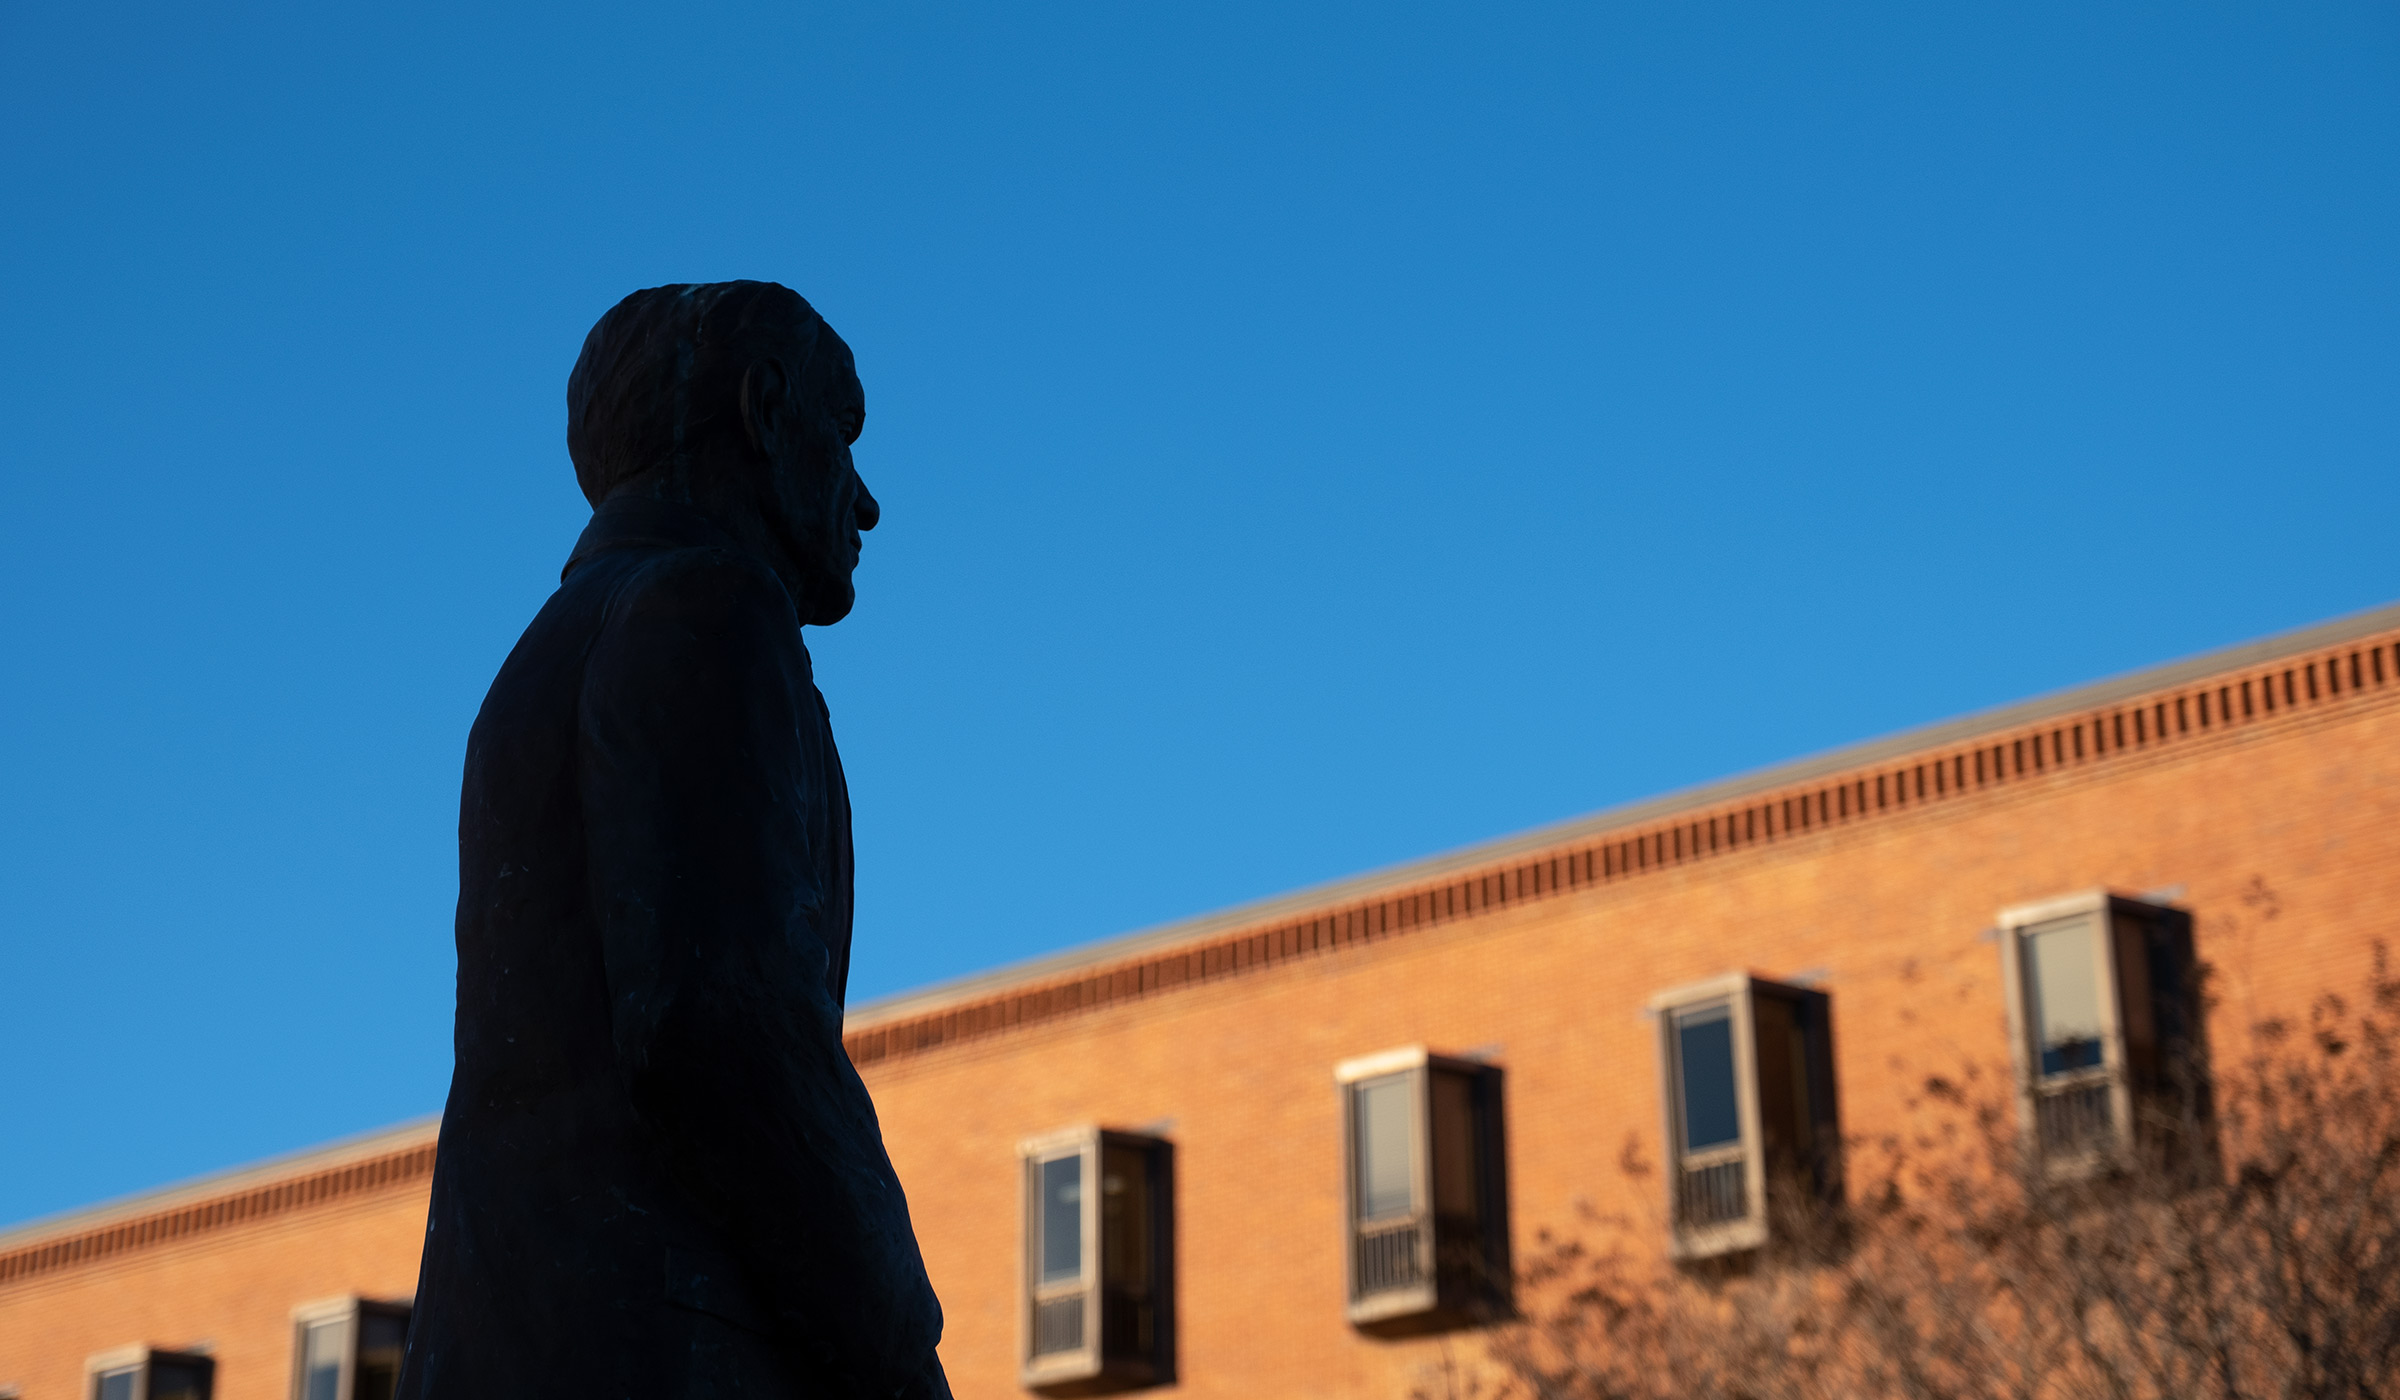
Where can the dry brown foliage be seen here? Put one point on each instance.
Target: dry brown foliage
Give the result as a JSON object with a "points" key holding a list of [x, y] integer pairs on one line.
{"points": [[2255, 1255]]}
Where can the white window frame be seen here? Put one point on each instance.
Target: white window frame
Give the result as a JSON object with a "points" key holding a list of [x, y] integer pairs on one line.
{"points": [[1423, 1296], [1081, 1362], [1749, 1231]]}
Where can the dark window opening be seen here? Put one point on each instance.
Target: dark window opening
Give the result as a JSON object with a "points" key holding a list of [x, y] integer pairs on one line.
{"points": [[1099, 1291], [1428, 1200], [351, 1353], [154, 1374], [1751, 1121], [2101, 996]]}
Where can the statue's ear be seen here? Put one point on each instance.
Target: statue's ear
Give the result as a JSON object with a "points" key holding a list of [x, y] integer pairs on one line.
{"points": [[770, 412]]}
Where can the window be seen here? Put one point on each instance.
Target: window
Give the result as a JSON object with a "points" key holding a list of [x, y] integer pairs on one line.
{"points": [[146, 1373], [1747, 1083], [1428, 1191], [2103, 1023], [348, 1349], [1099, 1262]]}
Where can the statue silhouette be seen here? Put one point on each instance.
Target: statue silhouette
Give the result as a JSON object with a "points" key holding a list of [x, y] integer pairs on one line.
{"points": [[659, 1174]]}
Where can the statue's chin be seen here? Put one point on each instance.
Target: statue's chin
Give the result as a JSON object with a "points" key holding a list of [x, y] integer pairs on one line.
{"points": [[832, 606]]}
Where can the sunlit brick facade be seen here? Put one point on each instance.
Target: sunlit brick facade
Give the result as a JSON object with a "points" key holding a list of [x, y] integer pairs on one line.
{"points": [[2252, 797]]}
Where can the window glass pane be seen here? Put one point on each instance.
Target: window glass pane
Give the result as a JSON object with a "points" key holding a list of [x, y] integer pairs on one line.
{"points": [[115, 1385], [1454, 1145], [1704, 1064], [2062, 984], [1062, 1219], [322, 1346], [1386, 1134], [381, 1339], [178, 1380], [1124, 1218]]}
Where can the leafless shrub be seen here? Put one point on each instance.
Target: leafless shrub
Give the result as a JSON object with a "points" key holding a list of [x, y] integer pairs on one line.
{"points": [[2251, 1248]]}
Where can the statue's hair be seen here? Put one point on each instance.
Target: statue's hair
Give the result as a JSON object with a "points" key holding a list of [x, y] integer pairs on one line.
{"points": [[661, 374]]}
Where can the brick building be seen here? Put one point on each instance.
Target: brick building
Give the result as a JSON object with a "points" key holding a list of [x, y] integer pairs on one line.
{"points": [[1285, 1149]]}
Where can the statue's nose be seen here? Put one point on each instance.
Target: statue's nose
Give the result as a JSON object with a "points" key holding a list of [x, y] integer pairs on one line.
{"points": [[867, 512]]}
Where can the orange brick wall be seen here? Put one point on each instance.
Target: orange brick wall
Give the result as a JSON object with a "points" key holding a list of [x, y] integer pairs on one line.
{"points": [[230, 1291], [1890, 915]]}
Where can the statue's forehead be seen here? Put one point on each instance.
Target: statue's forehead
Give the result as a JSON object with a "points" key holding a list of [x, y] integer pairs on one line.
{"points": [[831, 344], [834, 352]]}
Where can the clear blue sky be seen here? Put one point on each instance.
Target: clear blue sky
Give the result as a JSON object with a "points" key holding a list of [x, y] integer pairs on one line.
{"points": [[1309, 437]]}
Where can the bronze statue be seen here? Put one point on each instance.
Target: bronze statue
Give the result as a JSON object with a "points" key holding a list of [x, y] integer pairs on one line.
{"points": [[659, 1174]]}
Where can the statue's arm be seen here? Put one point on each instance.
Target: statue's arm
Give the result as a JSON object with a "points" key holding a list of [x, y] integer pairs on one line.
{"points": [[695, 706]]}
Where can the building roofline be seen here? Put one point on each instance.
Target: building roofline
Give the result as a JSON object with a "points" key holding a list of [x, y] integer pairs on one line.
{"points": [[1049, 967], [325, 1156]]}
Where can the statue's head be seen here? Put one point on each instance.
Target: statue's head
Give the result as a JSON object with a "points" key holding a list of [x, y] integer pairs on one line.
{"points": [[735, 398]]}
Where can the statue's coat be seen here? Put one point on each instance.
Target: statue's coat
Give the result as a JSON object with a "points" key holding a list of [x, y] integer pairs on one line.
{"points": [[659, 1174]]}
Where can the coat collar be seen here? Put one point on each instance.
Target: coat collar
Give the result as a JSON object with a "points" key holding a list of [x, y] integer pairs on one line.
{"points": [[635, 522]]}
